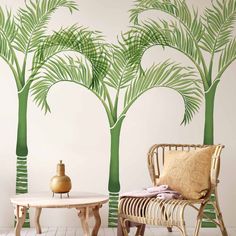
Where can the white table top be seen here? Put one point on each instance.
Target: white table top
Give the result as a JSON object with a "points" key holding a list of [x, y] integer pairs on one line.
{"points": [[45, 200]]}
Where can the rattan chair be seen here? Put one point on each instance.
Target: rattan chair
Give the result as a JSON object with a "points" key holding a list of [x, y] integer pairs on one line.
{"points": [[170, 213]]}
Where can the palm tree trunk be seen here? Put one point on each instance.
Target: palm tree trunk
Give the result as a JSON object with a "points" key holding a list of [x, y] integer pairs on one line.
{"points": [[209, 139], [209, 115], [114, 179], [21, 147]]}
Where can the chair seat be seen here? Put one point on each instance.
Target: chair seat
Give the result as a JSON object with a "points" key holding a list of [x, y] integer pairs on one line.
{"points": [[154, 211]]}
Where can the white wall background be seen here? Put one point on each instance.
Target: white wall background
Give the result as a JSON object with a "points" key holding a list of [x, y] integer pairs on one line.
{"points": [[77, 129]]}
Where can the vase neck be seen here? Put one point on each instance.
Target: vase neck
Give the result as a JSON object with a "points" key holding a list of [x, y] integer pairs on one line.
{"points": [[60, 169]]}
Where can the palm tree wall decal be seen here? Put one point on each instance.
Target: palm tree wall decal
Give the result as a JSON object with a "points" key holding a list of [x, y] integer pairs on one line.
{"points": [[123, 76], [24, 33], [195, 36]]}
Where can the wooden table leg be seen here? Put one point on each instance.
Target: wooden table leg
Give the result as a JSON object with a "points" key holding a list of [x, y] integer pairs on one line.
{"points": [[36, 220], [84, 215], [97, 220], [20, 213]]}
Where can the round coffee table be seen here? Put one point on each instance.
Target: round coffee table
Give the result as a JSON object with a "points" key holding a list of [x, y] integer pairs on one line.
{"points": [[87, 204]]}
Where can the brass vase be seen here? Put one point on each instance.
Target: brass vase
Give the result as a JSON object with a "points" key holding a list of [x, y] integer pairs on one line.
{"points": [[60, 183]]}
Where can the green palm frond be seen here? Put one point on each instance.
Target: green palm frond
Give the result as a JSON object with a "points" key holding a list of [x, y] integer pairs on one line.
{"points": [[142, 37], [228, 55], [60, 69], [168, 75], [88, 43], [219, 23], [32, 22], [7, 26], [5, 52], [122, 69], [176, 8], [174, 36], [7, 34]]}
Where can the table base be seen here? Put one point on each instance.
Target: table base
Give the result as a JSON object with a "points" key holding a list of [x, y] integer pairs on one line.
{"points": [[83, 212]]}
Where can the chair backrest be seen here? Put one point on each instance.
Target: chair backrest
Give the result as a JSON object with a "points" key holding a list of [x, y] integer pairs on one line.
{"points": [[156, 160]]}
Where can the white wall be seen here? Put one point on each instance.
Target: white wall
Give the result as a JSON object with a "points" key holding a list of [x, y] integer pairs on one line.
{"points": [[77, 129]]}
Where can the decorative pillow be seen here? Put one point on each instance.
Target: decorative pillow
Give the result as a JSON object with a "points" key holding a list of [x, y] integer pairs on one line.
{"points": [[188, 172]]}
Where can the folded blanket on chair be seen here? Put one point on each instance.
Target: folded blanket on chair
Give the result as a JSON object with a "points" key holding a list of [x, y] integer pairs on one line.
{"points": [[159, 188], [168, 196], [161, 192]]}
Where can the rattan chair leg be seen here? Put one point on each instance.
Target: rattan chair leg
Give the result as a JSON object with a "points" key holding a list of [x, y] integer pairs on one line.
{"points": [[183, 230], [140, 230], [199, 219], [198, 225], [220, 219], [221, 222], [223, 231], [125, 232], [219, 215]]}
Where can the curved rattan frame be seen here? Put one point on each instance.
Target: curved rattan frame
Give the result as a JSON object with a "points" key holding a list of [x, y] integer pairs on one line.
{"points": [[170, 213]]}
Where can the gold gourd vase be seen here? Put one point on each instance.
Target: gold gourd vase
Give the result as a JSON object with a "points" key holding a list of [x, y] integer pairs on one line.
{"points": [[60, 183]]}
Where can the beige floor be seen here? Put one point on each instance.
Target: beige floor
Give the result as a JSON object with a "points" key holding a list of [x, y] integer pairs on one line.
{"points": [[110, 232]]}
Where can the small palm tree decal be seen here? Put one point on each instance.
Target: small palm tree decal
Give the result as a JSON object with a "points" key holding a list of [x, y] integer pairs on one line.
{"points": [[123, 74], [194, 36], [24, 33]]}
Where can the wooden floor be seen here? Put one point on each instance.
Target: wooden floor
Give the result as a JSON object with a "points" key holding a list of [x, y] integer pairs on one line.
{"points": [[110, 232]]}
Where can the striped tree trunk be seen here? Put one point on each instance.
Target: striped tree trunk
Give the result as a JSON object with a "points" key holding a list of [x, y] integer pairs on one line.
{"points": [[209, 139], [114, 179], [21, 147]]}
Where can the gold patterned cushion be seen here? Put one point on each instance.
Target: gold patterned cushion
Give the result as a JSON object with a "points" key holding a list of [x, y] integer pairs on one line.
{"points": [[188, 172]]}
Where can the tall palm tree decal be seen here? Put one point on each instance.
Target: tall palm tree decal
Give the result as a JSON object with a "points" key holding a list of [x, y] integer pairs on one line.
{"points": [[24, 33], [195, 35], [124, 74]]}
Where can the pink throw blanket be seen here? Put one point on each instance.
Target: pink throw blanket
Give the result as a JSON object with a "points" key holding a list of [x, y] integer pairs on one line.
{"points": [[161, 192]]}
